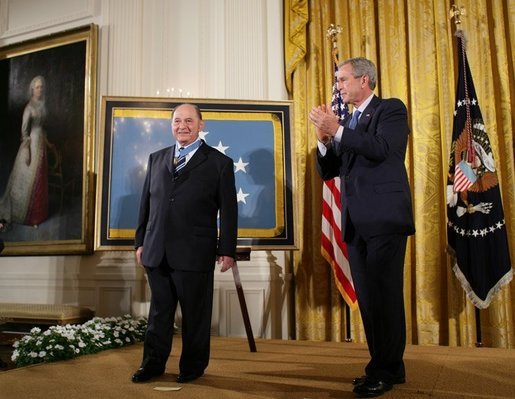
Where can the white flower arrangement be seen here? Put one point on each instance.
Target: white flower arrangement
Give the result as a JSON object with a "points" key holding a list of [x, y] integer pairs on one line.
{"points": [[69, 341]]}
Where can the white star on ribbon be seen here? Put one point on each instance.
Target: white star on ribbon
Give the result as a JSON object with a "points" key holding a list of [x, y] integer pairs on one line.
{"points": [[241, 196], [240, 165], [220, 147]]}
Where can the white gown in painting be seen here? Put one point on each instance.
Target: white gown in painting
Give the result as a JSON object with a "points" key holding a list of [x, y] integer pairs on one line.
{"points": [[25, 199]]}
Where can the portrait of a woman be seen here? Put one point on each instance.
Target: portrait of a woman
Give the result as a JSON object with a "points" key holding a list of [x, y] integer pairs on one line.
{"points": [[25, 199]]}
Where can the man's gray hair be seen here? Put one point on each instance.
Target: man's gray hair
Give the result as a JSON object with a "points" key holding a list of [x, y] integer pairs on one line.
{"points": [[362, 66]]}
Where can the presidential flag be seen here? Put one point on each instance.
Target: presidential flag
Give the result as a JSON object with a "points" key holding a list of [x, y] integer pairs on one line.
{"points": [[334, 250], [476, 228]]}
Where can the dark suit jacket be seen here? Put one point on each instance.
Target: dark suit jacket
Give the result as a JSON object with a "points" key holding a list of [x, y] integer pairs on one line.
{"points": [[370, 162], [178, 216]]}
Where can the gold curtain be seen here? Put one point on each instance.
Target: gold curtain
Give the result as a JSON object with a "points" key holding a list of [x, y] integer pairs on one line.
{"points": [[414, 48]]}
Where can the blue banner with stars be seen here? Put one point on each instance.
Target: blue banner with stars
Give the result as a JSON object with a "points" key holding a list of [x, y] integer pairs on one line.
{"points": [[256, 140]]}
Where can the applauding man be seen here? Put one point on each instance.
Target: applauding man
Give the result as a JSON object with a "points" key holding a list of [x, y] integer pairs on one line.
{"points": [[367, 152]]}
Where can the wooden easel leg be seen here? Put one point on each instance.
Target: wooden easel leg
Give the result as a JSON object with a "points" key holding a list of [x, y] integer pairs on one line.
{"points": [[243, 306]]}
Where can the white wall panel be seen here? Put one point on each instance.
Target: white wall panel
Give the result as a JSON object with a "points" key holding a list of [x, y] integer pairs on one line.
{"points": [[245, 40], [275, 50], [124, 29], [212, 50], [157, 52], [225, 49], [254, 299], [23, 18]]}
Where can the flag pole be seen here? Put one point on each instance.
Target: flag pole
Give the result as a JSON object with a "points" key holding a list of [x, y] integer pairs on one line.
{"points": [[332, 32], [456, 13], [479, 342]]}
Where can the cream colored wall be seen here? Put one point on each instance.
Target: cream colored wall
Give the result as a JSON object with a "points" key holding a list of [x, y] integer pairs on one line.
{"points": [[225, 49]]}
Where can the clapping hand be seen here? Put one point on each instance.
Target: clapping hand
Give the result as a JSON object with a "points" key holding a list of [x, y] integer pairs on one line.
{"points": [[325, 122]]}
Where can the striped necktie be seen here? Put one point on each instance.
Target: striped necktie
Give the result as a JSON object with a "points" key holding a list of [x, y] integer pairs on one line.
{"points": [[354, 119], [180, 161]]}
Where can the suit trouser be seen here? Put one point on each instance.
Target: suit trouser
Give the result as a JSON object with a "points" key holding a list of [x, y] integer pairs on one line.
{"points": [[377, 266], [194, 292]]}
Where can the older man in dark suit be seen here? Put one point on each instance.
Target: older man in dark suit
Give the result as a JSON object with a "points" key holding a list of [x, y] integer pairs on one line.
{"points": [[367, 152], [187, 187]]}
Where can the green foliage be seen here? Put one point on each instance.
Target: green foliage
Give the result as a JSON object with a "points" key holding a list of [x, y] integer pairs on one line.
{"points": [[69, 341]]}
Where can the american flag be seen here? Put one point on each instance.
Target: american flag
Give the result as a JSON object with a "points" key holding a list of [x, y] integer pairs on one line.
{"points": [[476, 228], [334, 250]]}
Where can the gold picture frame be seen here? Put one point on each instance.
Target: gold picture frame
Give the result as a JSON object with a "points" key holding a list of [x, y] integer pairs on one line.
{"points": [[257, 135], [47, 143]]}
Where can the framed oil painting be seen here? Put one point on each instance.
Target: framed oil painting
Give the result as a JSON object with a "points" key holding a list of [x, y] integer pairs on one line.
{"points": [[256, 135], [47, 124]]}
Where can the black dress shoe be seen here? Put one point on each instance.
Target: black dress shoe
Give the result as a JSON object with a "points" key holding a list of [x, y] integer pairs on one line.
{"points": [[361, 380], [144, 374], [183, 378], [371, 388]]}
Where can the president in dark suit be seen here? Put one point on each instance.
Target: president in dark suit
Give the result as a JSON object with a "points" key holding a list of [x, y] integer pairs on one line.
{"points": [[178, 241], [367, 152]]}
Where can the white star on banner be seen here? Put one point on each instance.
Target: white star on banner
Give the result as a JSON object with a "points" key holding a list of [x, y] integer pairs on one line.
{"points": [[241, 196], [240, 165], [220, 147], [202, 134]]}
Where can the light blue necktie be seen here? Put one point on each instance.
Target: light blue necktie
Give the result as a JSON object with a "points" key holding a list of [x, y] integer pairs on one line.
{"points": [[354, 119]]}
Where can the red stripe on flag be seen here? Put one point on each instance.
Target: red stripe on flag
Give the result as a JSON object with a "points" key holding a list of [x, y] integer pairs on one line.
{"points": [[333, 249]]}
